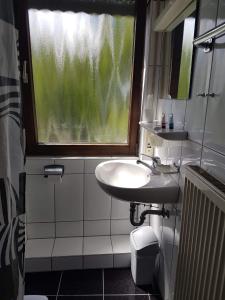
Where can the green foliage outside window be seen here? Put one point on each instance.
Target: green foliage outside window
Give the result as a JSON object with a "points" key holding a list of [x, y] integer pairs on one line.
{"points": [[82, 71]]}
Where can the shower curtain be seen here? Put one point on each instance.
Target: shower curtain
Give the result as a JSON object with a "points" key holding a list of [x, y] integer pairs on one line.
{"points": [[12, 176]]}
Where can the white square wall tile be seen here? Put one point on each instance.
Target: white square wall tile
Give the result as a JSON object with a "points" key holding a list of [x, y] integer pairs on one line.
{"points": [[94, 245], [98, 252], [69, 229], [36, 165], [121, 251], [97, 204], [120, 244], [39, 248], [121, 227], [214, 163], [191, 153], [94, 228], [71, 166], [120, 209], [38, 255], [69, 198], [68, 246], [39, 199], [40, 230], [91, 163], [67, 254]]}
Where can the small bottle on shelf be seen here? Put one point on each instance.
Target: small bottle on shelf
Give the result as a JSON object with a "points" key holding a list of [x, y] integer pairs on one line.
{"points": [[163, 121], [171, 123]]}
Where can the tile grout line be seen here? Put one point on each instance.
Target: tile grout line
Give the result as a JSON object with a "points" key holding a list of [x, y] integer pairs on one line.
{"points": [[84, 181], [97, 295], [110, 224], [51, 257], [54, 193], [89, 220], [60, 280], [114, 295], [103, 284], [112, 251]]}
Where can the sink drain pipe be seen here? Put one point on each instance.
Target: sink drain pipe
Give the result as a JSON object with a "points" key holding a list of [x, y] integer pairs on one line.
{"points": [[163, 212]]}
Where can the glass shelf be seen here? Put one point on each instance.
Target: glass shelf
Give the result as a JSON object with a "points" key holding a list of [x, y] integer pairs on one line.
{"points": [[167, 134]]}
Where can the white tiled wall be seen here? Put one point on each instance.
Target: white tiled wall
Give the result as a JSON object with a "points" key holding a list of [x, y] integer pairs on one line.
{"points": [[69, 257], [40, 230], [40, 205], [38, 255], [77, 253], [202, 117], [75, 207], [69, 198], [95, 228], [97, 204], [120, 209], [121, 246], [93, 247], [73, 223], [69, 229]]}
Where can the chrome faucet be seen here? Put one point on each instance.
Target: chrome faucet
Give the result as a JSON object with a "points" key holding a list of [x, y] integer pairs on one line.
{"points": [[156, 161]]}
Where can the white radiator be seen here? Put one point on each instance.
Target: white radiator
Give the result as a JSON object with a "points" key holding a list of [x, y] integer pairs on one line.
{"points": [[200, 271]]}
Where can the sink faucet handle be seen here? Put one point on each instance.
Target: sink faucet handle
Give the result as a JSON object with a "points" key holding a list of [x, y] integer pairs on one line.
{"points": [[156, 160]]}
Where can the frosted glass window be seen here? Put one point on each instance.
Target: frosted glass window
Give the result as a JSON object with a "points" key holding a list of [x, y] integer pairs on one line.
{"points": [[82, 73]]}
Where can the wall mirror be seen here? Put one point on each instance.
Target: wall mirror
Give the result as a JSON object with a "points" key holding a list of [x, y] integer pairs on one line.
{"points": [[182, 58], [178, 19]]}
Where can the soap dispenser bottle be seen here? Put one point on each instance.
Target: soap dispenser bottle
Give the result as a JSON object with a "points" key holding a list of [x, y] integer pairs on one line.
{"points": [[163, 121]]}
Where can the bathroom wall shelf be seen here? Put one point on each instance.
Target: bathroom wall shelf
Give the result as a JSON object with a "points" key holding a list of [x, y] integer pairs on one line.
{"points": [[167, 134]]}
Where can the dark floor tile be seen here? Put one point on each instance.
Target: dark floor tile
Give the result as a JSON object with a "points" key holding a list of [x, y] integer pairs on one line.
{"points": [[153, 297], [81, 282], [120, 281], [43, 283], [127, 297]]}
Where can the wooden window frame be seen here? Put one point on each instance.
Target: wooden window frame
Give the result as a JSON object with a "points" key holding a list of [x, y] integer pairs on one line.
{"points": [[29, 115]]}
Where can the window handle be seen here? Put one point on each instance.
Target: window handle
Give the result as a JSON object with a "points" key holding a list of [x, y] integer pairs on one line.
{"points": [[211, 95], [201, 94], [25, 75]]}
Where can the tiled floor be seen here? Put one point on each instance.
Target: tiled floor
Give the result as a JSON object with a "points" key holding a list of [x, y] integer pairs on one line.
{"points": [[108, 284]]}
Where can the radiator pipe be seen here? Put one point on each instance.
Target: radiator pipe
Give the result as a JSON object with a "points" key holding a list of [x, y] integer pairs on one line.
{"points": [[163, 212]]}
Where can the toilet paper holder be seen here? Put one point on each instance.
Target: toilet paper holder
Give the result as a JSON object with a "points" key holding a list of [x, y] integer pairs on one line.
{"points": [[53, 170]]}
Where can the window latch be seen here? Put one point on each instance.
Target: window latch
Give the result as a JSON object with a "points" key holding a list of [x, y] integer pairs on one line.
{"points": [[25, 75]]}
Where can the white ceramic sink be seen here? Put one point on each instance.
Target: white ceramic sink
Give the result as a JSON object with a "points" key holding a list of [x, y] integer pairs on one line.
{"points": [[129, 181]]}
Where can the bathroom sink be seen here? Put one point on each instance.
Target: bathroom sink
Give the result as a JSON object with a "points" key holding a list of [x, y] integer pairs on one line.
{"points": [[126, 180]]}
